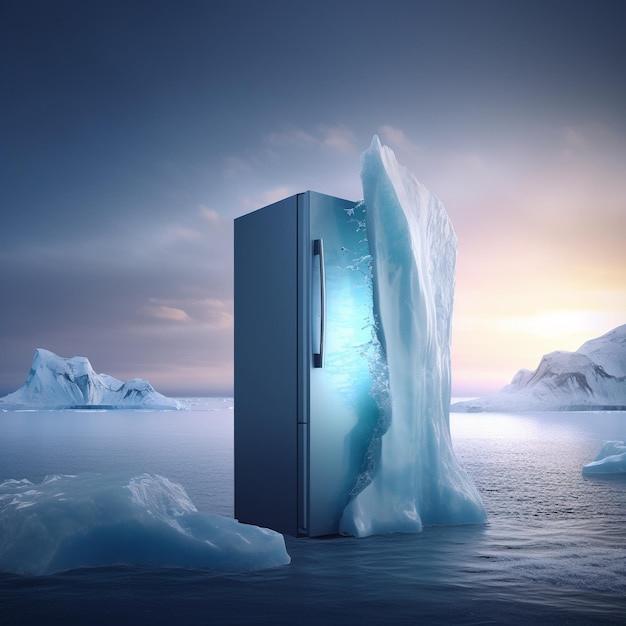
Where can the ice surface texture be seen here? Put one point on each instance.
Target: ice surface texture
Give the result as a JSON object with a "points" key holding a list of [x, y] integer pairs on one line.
{"points": [[610, 460], [592, 378], [55, 382], [95, 520], [413, 248]]}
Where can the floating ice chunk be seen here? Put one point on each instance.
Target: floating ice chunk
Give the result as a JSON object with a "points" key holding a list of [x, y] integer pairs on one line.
{"points": [[610, 460], [413, 246], [68, 522]]}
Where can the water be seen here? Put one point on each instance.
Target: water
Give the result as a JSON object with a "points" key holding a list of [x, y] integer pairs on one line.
{"points": [[553, 550], [194, 448]]}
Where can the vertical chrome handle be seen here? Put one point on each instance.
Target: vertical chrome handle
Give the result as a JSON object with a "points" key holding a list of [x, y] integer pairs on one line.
{"points": [[318, 251]]}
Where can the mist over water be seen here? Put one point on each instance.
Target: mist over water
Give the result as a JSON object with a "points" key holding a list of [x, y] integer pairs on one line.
{"points": [[553, 549]]}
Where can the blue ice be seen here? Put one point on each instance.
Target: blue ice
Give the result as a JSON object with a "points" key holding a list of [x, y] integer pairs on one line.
{"points": [[610, 460], [66, 522], [418, 479]]}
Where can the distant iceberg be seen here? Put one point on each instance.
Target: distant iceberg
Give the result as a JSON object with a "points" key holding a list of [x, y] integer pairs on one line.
{"points": [[67, 522], [592, 378], [610, 460], [55, 382]]}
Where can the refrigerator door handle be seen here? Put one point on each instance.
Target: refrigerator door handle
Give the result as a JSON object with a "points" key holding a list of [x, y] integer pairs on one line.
{"points": [[318, 251]]}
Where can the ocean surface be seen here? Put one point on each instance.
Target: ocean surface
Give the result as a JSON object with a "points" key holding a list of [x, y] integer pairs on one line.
{"points": [[552, 552]]}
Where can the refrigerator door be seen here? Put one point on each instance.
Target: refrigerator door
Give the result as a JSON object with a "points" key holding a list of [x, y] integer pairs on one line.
{"points": [[340, 404]]}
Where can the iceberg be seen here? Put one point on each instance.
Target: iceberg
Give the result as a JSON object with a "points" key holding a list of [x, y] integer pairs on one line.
{"points": [[67, 522], [608, 351], [55, 382], [610, 460], [417, 479], [592, 378]]}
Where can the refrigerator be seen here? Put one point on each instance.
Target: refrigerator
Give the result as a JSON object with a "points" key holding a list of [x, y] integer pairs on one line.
{"points": [[302, 353]]}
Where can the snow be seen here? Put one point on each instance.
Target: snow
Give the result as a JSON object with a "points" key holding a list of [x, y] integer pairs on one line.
{"points": [[417, 479], [55, 382], [610, 460], [608, 351], [592, 378], [67, 522]]}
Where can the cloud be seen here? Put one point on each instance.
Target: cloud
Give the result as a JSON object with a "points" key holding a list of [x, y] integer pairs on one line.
{"points": [[181, 233], [277, 193], [333, 138], [210, 215], [168, 313], [395, 136], [213, 313], [291, 136], [338, 138], [207, 313], [237, 167], [269, 196]]}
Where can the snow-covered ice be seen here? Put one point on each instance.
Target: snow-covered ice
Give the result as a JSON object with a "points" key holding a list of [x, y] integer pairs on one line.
{"points": [[608, 351], [592, 378], [610, 460], [93, 520], [55, 382], [417, 479]]}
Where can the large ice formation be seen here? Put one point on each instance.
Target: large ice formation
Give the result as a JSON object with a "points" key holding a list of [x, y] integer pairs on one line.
{"points": [[592, 378], [610, 460], [55, 382], [417, 479], [67, 522]]}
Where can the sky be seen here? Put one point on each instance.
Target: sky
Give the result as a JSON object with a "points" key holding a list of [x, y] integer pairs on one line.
{"points": [[133, 133]]}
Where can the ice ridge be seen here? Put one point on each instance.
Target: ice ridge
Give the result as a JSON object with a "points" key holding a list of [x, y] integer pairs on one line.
{"points": [[413, 247]]}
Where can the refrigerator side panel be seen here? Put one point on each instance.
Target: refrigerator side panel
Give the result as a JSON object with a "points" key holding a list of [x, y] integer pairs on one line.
{"points": [[266, 372]]}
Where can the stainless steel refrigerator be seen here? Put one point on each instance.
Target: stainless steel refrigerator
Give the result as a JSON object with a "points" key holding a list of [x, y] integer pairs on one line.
{"points": [[303, 329]]}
